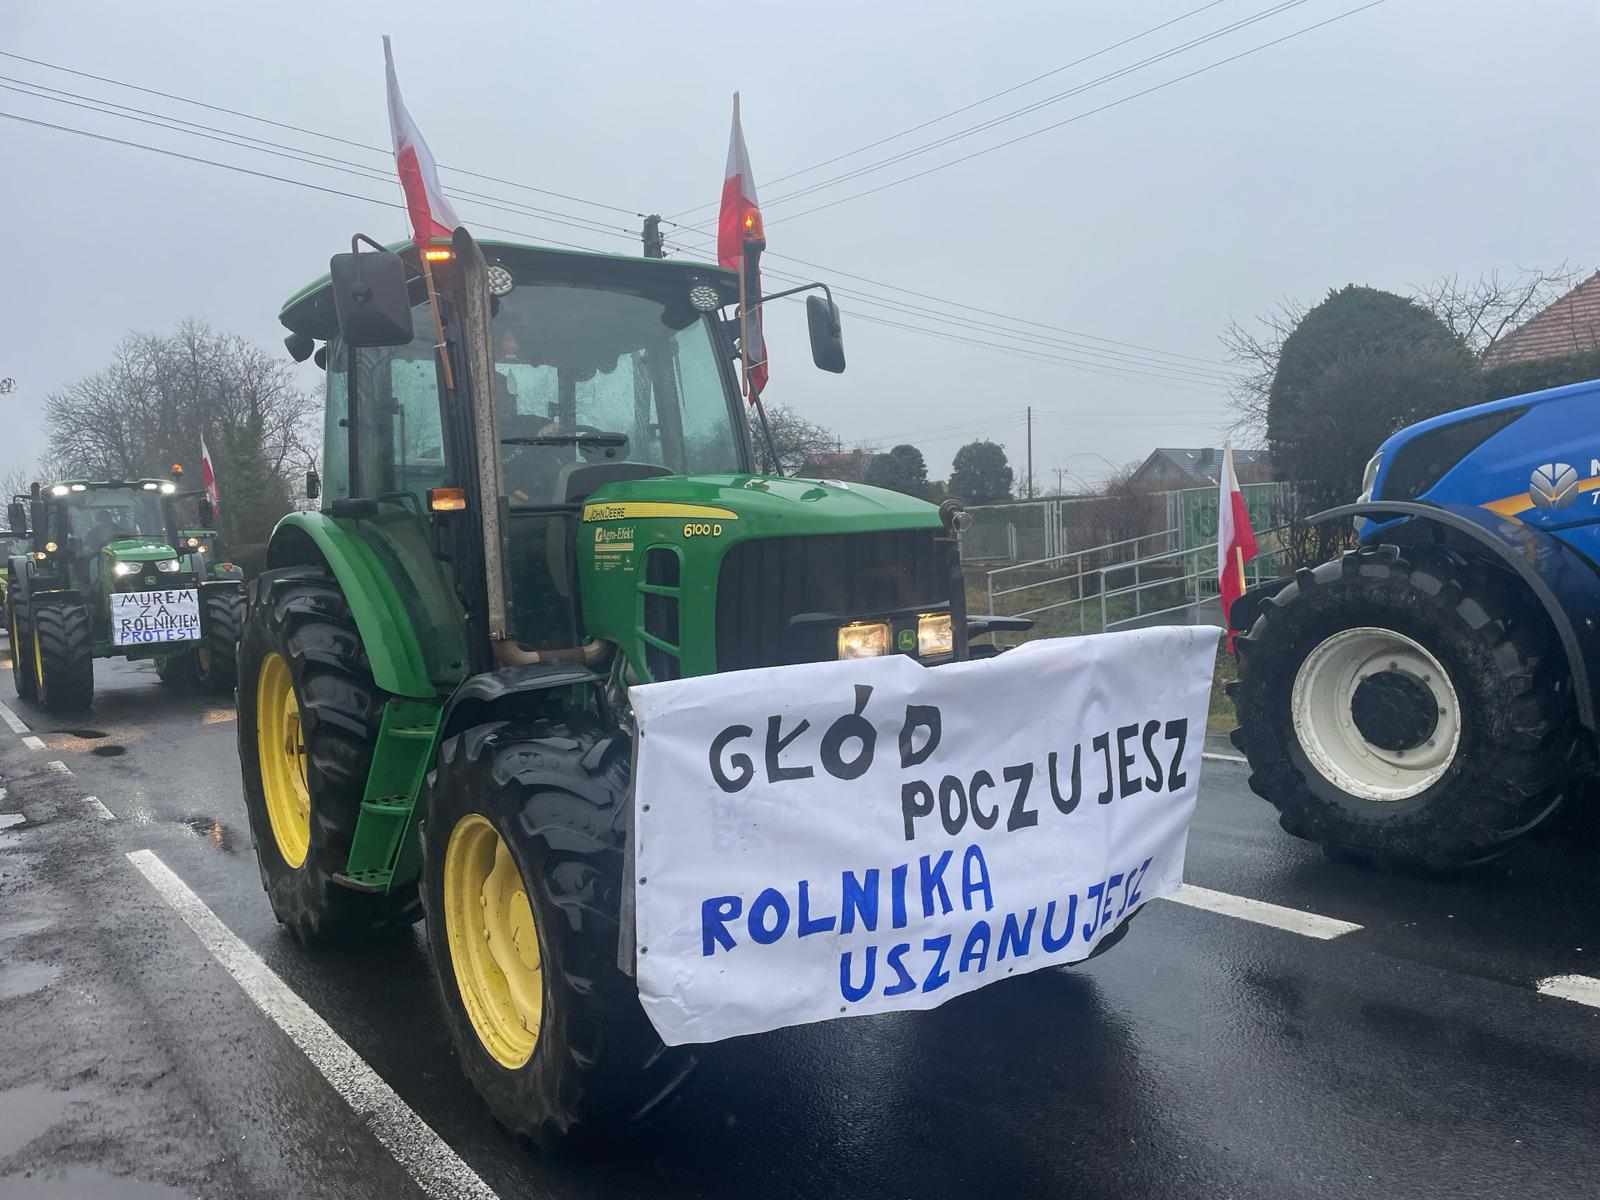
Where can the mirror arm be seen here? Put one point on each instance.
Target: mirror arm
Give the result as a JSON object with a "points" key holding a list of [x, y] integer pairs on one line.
{"points": [[794, 291]]}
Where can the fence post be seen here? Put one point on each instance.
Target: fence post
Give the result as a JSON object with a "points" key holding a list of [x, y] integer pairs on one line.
{"points": [[1102, 574]]}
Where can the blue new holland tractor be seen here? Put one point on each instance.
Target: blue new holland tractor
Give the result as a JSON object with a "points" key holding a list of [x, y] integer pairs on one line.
{"points": [[1429, 696]]}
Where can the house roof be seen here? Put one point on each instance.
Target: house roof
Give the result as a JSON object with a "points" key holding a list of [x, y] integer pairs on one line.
{"points": [[1200, 466], [1571, 325]]}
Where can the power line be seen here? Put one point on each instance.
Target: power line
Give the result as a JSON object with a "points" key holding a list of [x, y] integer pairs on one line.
{"points": [[1015, 114], [1080, 116], [234, 112], [954, 112]]}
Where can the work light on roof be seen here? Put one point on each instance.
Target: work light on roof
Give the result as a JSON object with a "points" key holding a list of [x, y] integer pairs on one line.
{"points": [[168, 488], [500, 281], [704, 297], [60, 489], [150, 487], [80, 487]]}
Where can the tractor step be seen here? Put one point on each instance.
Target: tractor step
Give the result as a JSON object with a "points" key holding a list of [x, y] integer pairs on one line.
{"points": [[379, 854]]}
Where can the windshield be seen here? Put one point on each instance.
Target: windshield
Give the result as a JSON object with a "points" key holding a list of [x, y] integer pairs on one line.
{"points": [[589, 375], [101, 515]]}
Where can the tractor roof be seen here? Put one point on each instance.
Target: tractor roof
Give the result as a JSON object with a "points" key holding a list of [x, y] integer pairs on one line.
{"points": [[68, 486], [310, 310]]}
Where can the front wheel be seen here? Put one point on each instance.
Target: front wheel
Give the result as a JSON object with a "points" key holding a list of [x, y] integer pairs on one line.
{"points": [[522, 880], [1413, 709], [63, 657], [216, 657], [23, 676]]}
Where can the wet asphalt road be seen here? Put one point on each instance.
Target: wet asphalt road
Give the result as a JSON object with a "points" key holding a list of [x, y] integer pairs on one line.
{"points": [[1205, 1056]]}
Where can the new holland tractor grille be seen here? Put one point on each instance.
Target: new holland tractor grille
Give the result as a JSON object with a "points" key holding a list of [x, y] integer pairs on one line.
{"points": [[767, 582]]}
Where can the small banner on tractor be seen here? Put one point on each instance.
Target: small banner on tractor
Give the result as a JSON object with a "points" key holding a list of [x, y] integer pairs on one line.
{"points": [[146, 618], [845, 838]]}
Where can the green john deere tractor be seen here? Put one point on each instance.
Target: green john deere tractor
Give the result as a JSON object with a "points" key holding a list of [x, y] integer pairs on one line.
{"points": [[209, 663], [101, 576], [434, 669]]}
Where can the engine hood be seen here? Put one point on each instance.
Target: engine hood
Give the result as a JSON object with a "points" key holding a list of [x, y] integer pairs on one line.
{"points": [[764, 506], [138, 550]]}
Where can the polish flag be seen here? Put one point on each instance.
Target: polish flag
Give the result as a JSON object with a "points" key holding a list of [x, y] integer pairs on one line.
{"points": [[1236, 541], [432, 217], [739, 221], [208, 478]]}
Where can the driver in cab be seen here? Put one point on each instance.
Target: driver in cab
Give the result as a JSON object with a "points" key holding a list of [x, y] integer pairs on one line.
{"points": [[529, 471]]}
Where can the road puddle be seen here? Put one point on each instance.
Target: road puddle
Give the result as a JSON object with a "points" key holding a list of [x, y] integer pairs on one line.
{"points": [[82, 1183], [109, 751], [212, 831], [26, 1112], [10, 931], [25, 978], [87, 735]]}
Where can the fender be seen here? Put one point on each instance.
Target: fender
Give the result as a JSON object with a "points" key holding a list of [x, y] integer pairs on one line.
{"points": [[1564, 584], [476, 700], [387, 635]]}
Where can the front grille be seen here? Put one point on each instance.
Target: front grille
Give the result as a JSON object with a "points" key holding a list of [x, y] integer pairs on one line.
{"points": [[766, 582]]}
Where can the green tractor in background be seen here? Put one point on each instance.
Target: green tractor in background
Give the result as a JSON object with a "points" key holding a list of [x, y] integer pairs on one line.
{"points": [[434, 670], [209, 663], [101, 576]]}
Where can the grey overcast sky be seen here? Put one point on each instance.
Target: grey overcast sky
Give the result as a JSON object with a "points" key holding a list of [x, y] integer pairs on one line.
{"points": [[1411, 140]]}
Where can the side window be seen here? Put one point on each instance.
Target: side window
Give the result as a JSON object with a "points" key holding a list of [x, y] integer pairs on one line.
{"points": [[417, 438], [335, 436], [708, 435]]}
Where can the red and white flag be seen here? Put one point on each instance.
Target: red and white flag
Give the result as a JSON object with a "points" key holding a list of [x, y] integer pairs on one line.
{"points": [[432, 217], [1236, 541], [208, 478], [740, 221]]}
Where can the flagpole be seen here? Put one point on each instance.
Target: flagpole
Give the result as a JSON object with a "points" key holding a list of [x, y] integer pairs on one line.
{"points": [[744, 332], [438, 321]]}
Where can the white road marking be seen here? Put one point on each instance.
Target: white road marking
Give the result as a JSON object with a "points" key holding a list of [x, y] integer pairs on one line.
{"points": [[59, 767], [100, 810], [7, 820], [436, 1168], [1580, 989], [10, 718], [1306, 924], [31, 742], [1215, 757]]}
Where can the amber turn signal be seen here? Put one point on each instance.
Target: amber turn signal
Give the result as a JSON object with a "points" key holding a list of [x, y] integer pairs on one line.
{"points": [[447, 499]]}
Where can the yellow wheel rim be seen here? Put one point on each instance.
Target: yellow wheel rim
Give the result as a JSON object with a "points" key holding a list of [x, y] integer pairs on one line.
{"points": [[281, 751], [494, 942], [38, 662]]}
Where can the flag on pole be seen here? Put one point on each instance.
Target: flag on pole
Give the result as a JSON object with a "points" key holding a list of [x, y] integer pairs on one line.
{"points": [[739, 221], [208, 478], [1236, 541], [432, 217]]}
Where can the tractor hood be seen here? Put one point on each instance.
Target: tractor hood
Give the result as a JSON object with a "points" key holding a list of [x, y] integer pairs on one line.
{"points": [[764, 506], [138, 550]]}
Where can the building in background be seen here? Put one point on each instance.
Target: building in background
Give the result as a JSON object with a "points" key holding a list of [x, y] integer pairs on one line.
{"points": [[1569, 326], [1170, 469]]}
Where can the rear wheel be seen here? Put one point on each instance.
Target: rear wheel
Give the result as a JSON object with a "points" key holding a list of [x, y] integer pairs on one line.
{"points": [[522, 877], [22, 668], [63, 656], [1411, 708], [308, 717], [215, 658]]}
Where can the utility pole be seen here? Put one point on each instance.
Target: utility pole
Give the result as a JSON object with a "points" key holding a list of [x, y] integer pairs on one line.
{"points": [[1030, 452], [1060, 488], [653, 247]]}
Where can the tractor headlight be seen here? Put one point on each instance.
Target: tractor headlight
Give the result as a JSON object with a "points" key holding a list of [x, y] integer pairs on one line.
{"points": [[167, 565], [934, 635], [123, 569], [863, 639], [1369, 477]]}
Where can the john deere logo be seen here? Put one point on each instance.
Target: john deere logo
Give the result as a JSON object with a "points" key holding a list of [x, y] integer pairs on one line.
{"points": [[907, 639], [1554, 485]]}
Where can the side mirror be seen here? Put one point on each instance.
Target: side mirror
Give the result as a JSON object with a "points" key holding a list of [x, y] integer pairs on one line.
{"points": [[827, 341], [207, 514], [371, 298], [313, 483], [17, 517]]}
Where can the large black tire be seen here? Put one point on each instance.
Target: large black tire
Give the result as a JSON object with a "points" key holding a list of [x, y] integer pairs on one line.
{"points": [[300, 615], [64, 642], [21, 635], [556, 794], [216, 663], [1518, 739]]}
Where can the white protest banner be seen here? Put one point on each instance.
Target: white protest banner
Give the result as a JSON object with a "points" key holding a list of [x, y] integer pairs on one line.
{"points": [[144, 618], [873, 835]]}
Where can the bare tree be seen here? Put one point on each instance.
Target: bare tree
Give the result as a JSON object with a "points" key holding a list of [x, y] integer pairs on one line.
{"points": [[1256, 348], [1482, 311], [794, 438]]}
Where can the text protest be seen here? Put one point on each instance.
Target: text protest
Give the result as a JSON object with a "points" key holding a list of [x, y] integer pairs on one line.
{"points": [[144, 618], [858, 837]]}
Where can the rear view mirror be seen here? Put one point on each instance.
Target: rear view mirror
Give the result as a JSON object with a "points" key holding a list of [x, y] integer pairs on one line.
{"points": [[313, 484], [17, 517], [827, 340], [371, 298], [207, 513]]}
